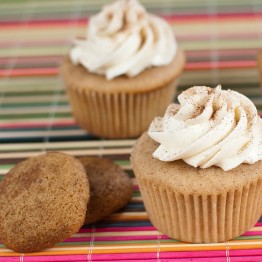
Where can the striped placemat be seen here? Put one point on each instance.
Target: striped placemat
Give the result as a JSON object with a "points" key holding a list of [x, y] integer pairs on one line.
{"points": [[221, 40]]}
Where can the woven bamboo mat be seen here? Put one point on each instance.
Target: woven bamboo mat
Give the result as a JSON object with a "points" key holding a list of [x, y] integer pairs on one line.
{"points": [[221, 40]]}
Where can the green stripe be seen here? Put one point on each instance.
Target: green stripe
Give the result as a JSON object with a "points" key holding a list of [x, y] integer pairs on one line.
{"points": [[62, 6], [7, 166], [249, 237], [34, 116], [28, 104], [32, 93], [122, 162]]}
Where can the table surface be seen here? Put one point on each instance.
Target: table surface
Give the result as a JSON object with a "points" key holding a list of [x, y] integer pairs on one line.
{"points": [[221, 40]]}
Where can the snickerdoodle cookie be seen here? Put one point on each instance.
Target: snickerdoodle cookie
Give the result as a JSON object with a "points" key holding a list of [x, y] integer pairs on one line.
{"points": [[43, 201], [110, 187]]}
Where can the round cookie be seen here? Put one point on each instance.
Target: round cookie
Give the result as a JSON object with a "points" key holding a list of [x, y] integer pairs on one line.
{"points": [[110, 188], [43, 201]]}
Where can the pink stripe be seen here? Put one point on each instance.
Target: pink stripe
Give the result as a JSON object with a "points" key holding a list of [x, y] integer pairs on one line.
{"points": [[235, 255], [208, 254], [28, 72], [217, 259], [55, 258], [220, 65], [253, 233]]}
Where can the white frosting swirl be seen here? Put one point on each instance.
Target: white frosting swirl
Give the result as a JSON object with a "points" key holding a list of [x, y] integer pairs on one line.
{"points": [[123, 39], [210, 127]]}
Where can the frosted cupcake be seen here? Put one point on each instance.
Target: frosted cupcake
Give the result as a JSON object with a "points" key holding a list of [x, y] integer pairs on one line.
{"points": [[124, 72], [199, 166]]}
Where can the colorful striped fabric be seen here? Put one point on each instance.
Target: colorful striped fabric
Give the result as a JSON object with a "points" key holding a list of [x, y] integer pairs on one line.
{"points": [[221, 40]]}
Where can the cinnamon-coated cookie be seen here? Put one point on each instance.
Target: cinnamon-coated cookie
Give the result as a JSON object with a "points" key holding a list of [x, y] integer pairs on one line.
{"points": [[110, 187], [43, 201]]}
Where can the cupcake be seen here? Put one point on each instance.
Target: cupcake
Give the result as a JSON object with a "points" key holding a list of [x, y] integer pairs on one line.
{"points": [[199, 166], [124, 72]]}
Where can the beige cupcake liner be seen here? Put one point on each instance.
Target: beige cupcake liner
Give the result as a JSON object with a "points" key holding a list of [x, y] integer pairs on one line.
{"points": [[202, 219], [118, 115]]}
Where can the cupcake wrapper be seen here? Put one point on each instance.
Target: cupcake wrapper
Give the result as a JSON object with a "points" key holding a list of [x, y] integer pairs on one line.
{"points": [[118, 115], [202, 219]]}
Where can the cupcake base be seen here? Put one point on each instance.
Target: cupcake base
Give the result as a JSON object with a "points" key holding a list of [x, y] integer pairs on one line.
{"points": [[119, 115], [197, 205], [123, 107]]}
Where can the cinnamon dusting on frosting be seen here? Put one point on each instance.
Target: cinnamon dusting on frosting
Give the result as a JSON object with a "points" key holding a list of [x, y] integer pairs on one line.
{"points": [[212, 127]]}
